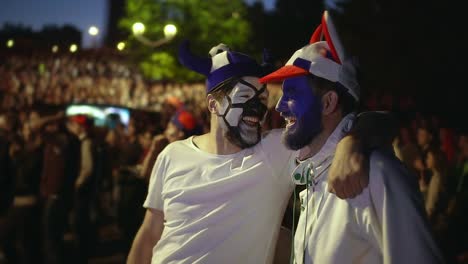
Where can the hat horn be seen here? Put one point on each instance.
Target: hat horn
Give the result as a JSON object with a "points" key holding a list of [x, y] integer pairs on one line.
{"points": [[332, 43], [192, 61], [317, 35]]}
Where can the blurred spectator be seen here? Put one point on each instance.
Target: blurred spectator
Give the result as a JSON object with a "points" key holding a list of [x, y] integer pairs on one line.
{"points": [[424, 139], [55, 188], [436, 198], [405, 148], [447, 143], [182, 125], [23, 236], [462, 166], [131, 188], [457, 242], [170, 106], [131, 149], [6, 178], [85, 187]]}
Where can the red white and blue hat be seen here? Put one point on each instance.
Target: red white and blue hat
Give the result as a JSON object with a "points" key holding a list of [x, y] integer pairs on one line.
{"points": [[222, 65], [184, 120], [325, 59]]}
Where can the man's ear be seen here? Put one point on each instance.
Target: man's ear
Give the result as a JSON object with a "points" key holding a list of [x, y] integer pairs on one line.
{"points": [[212, 104], [329, 102]]}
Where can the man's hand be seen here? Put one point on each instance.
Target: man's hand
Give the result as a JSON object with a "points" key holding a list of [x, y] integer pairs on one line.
{"points": [[349, 172]]}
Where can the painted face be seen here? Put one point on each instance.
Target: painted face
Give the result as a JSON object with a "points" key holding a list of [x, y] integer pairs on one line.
{"points": [[243, 111], [302, 111]]}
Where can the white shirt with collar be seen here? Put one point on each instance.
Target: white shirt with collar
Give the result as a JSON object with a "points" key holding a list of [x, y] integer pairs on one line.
{"points": [[386, 223]]}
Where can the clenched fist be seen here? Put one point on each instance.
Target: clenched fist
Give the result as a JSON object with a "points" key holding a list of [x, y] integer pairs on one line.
{"points": [[349, 172]]}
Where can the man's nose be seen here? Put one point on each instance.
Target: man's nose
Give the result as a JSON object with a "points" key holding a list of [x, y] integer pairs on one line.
{"points": [[280, 106]]}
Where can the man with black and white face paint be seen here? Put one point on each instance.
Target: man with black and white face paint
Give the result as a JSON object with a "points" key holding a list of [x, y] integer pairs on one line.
{"points": [[242, 111], [219, 197]]}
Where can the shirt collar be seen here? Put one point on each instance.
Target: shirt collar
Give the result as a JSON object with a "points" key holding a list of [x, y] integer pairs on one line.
{"points": [[328, 149]]}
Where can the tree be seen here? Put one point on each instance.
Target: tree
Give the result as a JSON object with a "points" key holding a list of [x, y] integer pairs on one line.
{"points": [[204, 23]]}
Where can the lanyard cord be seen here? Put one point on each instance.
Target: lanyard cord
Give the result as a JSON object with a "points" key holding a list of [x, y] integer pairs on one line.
{"points": [[309, 183]]}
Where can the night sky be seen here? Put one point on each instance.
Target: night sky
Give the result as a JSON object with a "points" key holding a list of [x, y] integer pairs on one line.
{"points": [[82, 14]]}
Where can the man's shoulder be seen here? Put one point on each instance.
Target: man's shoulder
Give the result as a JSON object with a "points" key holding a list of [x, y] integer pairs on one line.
{"points": [[273, 135], [176, 145], [176, 148]]}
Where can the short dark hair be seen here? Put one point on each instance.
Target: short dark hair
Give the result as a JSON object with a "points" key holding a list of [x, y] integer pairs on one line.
{"points": [[320, 86], [224, 88]]}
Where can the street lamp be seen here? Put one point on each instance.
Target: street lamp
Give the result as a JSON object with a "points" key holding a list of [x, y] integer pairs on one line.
{"points": [[73, 48], [170, 31], [55, 48], [121, 46], [10, 43], [138, 29], [93, 30]]}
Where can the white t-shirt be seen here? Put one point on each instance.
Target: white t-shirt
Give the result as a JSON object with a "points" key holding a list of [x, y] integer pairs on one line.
{"points": [[220, 208], [386, 223]]}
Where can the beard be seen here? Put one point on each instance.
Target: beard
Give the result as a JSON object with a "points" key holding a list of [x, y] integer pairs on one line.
{"points": [[242, 135], [304, 130]]}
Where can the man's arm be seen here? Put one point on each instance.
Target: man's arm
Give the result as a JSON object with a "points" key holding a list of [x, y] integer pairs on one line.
{"points": [[39, 124], [86, 166], [349, 173], [147, 237]]}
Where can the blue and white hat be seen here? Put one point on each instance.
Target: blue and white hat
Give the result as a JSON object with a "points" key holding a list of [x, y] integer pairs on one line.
{"points": [[325, 59], [222, 65]]}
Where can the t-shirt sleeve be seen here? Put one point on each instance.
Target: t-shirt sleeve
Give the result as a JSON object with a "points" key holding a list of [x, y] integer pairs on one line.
{"points": [[154, 198], [404, 234], [279, 157]]}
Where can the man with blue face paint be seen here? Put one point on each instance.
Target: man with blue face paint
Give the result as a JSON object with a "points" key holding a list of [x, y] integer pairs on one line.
{"points": [[219, 197], [386, 223]]}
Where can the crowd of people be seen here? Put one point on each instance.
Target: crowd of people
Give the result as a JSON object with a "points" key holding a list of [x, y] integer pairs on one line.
{"points": [[70, 175], [438, 156]]}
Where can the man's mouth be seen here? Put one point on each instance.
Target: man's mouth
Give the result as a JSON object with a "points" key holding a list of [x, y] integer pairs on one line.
{"points": [[251, 120], [290, 121]]}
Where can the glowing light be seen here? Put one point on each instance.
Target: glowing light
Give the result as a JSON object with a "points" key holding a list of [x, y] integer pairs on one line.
{"points": [[170, 30], [138, 28], [73, 48], [93, 31], [10, 43], [55, 48], [121, 46]]}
